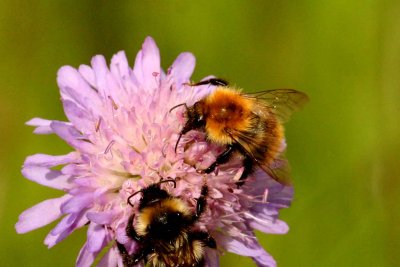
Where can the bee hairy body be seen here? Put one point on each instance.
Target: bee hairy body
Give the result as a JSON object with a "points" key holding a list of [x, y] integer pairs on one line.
{"points": [[249, 124], [184, 251], [231, 117], [164, 230]]}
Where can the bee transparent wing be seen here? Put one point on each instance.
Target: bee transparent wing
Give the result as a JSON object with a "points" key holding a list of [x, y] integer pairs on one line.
{"points": [[243, 140], [281, 102], [279, 170]]}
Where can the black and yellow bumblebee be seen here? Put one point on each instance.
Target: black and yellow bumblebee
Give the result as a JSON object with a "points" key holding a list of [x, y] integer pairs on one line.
{"points": [[248, 124], [165, 230]]}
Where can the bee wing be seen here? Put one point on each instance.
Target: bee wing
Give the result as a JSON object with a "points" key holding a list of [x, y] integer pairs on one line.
{"points": [[281, 102], [279, 170]]}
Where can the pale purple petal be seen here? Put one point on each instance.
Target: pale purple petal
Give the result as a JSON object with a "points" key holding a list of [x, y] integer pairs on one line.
{"points": [[265, 210], [78, 117], [100, 69], [50, 178], [96, 237], [264, 260], [105, 217], [235, 246], [73, 87], [119, 65], [40, 215], [49, 161], [111, 258], [42, 125], [147, 65], [86, 257], [77, 203], [279, 196], [72, 136], [183, 67], [67, 132], [64, 224], [211, 257], [88, 74], [52, 239], [137, 71], [274, 226]]}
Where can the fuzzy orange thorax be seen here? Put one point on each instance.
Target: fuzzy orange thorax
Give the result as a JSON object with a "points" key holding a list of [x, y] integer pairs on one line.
{"points": [[226, 108]]}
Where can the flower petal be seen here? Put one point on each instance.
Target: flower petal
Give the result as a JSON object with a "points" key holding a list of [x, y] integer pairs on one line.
{"points": [[73, 87], [99, 65], [88, 74], [73, 137], [103, 217], [64, 224], [264, 260], [147, 64], [49, 161], [119, 66], [78, 203], [79, 117], [211, 258], [111, 258], [52, 239], [96, 237], [183, 67], [40, 215], [86, 257], [50, 178], [235, 246], [270, 226], [42, 125]]}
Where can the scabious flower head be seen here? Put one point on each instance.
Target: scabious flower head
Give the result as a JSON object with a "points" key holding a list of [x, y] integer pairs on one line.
{"points": [[123, 134]]}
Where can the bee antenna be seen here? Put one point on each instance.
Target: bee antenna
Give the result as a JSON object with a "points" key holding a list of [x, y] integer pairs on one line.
{"points": [[182, 132], [177, 106], [177, 142], [131, 196], [167, 181]]}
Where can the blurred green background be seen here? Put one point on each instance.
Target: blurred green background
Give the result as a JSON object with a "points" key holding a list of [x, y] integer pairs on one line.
{"points": [[344, 147]]}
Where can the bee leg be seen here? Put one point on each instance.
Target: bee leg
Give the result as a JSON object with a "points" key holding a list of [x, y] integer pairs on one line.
{"points": [[126, 258], [141, 254], [205, 237], [132, 260], [248, 164], [201, 202], [212, 81], [130, 231], [221, 159]]}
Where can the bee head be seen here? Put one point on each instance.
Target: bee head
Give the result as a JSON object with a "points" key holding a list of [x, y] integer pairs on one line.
{"points": [[152, 194], [195, 119]]}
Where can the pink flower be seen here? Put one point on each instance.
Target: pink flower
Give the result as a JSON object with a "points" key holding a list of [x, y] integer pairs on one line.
{"points": [[123, 137]]}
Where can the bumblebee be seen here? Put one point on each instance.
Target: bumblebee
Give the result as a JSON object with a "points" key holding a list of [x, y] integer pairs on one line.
{"points": [[249, 124], [164, 230]]}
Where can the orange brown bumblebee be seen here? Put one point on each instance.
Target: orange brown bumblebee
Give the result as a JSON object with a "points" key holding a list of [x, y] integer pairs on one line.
{"points": [[248, 124], [164, 230]]}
